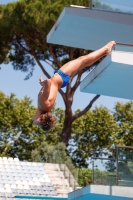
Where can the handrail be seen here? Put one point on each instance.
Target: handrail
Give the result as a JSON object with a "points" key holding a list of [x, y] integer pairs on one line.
{"points": [[125, 44], [126, 147], [67, 174]]}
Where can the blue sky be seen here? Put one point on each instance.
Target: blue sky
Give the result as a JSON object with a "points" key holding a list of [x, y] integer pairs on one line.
{"points": [[13, 82]]}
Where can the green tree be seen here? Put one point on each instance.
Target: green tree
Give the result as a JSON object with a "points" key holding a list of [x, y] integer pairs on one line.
{"points": [[84, 176], [123, 115], [24, 26], [18, 135], [93, 135]]}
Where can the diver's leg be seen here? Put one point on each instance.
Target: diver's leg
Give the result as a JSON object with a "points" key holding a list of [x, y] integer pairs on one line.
{"points": [[72, 67]]}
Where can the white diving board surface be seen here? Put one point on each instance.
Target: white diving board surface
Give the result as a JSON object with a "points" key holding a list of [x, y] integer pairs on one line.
{"points": [[113, 76]]}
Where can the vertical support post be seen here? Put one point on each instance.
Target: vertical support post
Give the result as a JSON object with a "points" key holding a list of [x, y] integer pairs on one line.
{"points": [[74, 186], [64, 172], [91, 4], [92, 171], [116, 165], [69, 179], [60, 163]]}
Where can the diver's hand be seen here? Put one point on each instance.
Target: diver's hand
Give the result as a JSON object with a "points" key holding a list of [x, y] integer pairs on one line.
{"points": [[41, 81], [46, 82]]}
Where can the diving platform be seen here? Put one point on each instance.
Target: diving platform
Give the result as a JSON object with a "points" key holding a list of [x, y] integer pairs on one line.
{"points": [[113, 76], [90, 29]]}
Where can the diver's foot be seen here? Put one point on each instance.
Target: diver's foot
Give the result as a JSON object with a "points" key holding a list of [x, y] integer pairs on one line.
{"points": [[108, 47]]}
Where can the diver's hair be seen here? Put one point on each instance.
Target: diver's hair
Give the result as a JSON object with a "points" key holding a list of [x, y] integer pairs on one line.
{"points": [[47, 121]]}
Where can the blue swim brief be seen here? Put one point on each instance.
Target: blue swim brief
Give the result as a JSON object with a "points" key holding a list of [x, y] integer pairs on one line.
{"points": [[65, 77]]}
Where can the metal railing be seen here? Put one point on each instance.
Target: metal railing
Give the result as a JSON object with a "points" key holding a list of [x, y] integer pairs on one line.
{"points": [[67, 173], [125, 47], [115, 171], [121, 6]]}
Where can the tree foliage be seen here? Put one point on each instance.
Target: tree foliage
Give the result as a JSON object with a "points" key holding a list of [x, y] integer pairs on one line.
{"points": [[84, 176], [123, 114], [93, 135], [18, 135], [17, 131], [99, 131]]}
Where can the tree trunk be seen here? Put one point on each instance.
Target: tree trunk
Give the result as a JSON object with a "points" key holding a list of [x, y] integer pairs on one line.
{"points": [[66, 131], [69, 118]]}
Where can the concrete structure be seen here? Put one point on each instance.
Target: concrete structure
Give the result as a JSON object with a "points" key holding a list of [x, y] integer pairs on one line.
{"points": [[91, 29], [100, 192], [32, 179], [40, 197], [61, 178], [112, 77]]}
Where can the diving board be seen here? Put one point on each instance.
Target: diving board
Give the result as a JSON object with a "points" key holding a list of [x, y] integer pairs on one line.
{"points": [[113, 76], [91, 29]]}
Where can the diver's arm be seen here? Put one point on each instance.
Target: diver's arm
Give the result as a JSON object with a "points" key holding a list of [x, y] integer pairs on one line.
{"points": [[46, 86]]}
